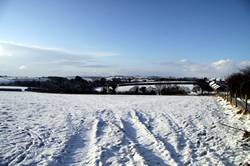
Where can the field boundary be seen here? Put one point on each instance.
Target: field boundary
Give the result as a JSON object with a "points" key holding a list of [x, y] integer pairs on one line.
{"points": [[239, 103]]}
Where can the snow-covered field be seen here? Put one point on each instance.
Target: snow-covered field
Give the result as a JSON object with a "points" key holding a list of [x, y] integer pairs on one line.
{"points": [[55, 129], [21, 88]]}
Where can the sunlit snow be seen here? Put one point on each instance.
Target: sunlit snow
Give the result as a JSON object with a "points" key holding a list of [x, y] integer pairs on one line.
{"points": [[56, 129]]}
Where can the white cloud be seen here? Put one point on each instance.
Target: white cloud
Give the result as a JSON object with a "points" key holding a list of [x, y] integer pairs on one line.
{"points": [[103, 54], [220, 68], [183, 60], [245, 63], [22, 67], [55, 61], [225, 67], [61, 51], [3, 52], [186, 68], [47, 60], [222, 64]]}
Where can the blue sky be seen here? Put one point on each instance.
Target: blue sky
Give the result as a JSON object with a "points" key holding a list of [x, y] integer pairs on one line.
{"points": [[130, 37]]}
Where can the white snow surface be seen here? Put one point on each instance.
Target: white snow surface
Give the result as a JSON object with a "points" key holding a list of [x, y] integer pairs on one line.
{"points": [[22, 88], [56, 129]]}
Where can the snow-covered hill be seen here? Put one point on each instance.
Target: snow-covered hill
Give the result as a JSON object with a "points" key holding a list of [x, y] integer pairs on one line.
{"points": [[55, 129]]}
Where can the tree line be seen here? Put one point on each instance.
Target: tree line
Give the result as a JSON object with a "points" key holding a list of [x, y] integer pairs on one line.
{"points": [[157, 90], [78, 85], [238, 84]]}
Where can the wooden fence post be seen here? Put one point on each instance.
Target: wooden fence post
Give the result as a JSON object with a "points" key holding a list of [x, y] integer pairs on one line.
{"points": [[235, 99], [246, 109], [230, 98]]}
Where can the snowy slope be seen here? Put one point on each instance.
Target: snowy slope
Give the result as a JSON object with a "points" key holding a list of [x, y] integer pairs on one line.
{"points": [[55, 129]]}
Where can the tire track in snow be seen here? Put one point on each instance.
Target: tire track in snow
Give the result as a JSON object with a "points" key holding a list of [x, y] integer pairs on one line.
{"points": [[149, 146], [114, 145], [93, 154], [201, 149], [184, 147], [175, 135], [190, 152], [194, 127], [130, 148], [71, 151], [188, 149]]}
